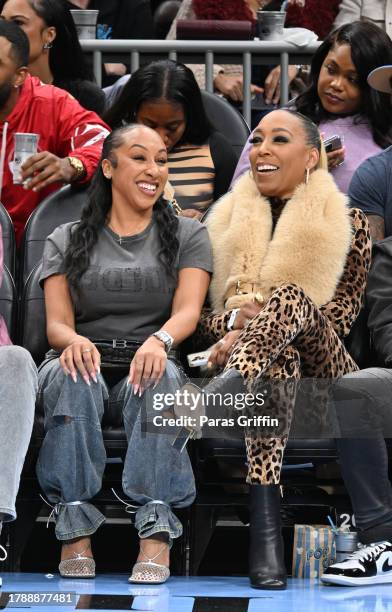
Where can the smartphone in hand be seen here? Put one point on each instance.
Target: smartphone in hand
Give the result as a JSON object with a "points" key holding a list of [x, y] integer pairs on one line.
{"points": [[196, 360], [333, 143]]}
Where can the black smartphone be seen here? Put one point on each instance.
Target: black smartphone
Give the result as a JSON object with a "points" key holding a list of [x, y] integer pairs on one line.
{"points": [[258, 102], [333, 143]]}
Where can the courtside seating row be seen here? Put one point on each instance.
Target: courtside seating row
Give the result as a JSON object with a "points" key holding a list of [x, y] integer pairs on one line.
{"points": [[22, 306]]}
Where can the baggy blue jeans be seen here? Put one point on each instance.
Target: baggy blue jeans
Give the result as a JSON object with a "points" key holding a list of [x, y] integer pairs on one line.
{"points": [[156, 476], [18, 388]]}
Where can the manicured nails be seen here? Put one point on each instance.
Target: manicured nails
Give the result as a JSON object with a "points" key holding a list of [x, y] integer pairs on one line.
{"points": [[87, 380], [92, 374], [74, 376], [135, 389]]}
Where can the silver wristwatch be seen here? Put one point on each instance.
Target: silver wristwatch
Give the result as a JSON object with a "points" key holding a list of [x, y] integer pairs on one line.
{"points": [[166, 338]]}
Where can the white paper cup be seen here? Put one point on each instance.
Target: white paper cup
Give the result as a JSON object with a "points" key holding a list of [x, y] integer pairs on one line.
{"points": [[86, 23], [26, 145], [271, 24]]}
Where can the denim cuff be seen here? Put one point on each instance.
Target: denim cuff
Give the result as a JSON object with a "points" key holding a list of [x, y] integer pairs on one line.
{"points": [[7, 514], [155, 518], [77, 521]]}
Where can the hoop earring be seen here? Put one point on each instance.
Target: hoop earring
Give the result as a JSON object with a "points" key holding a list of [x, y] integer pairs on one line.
{"points": [[48, 45], [307, 175]]}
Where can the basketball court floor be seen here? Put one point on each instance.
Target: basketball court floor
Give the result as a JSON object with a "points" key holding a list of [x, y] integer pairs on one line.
{"points": [[196, 594]]}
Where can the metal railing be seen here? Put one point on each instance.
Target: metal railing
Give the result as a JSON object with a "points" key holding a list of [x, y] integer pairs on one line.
{"points": [[247, 53]]}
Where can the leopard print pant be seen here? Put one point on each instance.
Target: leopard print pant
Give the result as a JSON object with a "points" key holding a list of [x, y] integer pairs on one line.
{"points": [[289, 339]]}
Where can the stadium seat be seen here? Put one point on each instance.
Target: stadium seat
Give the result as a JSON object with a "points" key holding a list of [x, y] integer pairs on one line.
{"points": [[61, 207], [8, 301], [8, 240], [227, 120]]}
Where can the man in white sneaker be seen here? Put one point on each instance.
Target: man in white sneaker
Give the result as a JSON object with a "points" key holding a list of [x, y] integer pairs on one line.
{"points": [[363, 405]]}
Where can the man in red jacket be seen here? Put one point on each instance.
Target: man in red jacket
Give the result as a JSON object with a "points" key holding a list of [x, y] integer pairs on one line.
{"points": [[70, 140]]}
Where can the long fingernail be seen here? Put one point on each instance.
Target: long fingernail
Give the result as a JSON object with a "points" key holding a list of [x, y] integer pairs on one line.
{"points": [[94, 377], [98, 370], [74, 377], [87, 380], [135, 389]]}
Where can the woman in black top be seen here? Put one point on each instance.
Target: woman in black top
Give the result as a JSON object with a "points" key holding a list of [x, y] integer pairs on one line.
{"points": [[165, 96]]}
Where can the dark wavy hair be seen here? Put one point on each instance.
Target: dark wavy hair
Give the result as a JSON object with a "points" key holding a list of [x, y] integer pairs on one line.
{"points": [[19, 42], [84, 235], [370, 47], [168, 80], [66, 60]]}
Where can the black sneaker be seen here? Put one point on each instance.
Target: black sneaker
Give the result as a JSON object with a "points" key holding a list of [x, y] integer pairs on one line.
{"points": [[369, 565]]}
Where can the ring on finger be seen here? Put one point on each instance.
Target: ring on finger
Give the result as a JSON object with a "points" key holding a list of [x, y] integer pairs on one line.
{"points": [[87, 350], [221, 342]]}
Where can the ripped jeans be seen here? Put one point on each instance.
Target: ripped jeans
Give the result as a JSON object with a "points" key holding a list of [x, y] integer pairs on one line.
{"points": [[156, 476]]}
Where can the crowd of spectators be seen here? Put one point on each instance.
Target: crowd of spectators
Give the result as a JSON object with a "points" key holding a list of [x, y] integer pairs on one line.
{"points": [[283, 251]]}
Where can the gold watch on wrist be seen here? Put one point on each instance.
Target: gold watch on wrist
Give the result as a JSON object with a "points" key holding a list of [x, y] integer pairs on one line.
{"points": [[78, 166]]}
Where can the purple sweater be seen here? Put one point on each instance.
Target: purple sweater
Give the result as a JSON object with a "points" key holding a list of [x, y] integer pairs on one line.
{"points": [[4, 337], [358, 141]]}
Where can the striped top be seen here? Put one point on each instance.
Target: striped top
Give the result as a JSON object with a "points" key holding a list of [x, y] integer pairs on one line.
{"points": [[192, 175]]}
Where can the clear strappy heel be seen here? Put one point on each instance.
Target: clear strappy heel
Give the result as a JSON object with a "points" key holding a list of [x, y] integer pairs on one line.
{"points": [[147, 572], [78, 567]]}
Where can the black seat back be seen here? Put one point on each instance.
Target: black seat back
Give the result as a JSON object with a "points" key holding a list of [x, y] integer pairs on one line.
{"points": [[8, 240], [227, 120], [8, 301], [358, 341], [32, 320], [61, 207]]}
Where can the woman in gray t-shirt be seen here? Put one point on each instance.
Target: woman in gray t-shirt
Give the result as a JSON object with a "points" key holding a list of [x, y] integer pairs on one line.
{"points": [[129, 275]]}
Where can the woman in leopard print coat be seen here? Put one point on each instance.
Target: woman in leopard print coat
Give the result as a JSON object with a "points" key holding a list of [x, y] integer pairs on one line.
{"points": [[291, 263]]}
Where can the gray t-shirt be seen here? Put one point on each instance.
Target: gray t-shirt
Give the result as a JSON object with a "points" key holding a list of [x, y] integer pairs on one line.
{"points": [[126, 291]]}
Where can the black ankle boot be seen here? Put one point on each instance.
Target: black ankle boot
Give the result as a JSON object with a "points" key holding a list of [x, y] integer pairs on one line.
{"points": [[266, 555]]}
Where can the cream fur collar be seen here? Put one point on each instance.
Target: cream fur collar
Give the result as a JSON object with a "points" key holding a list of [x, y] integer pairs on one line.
{"points": [[309, 245]]}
